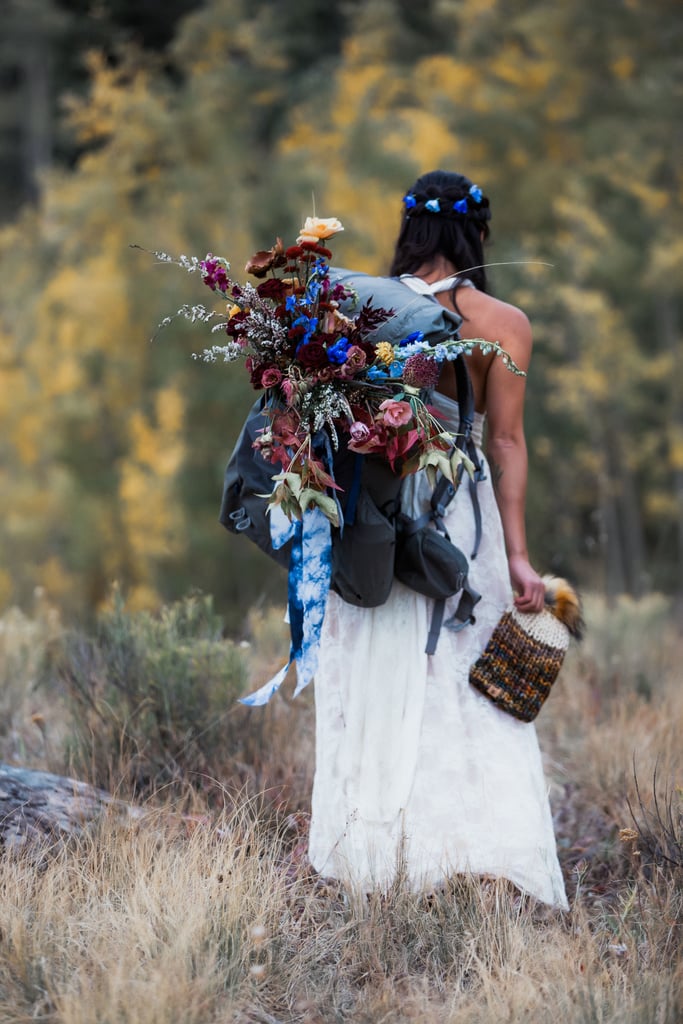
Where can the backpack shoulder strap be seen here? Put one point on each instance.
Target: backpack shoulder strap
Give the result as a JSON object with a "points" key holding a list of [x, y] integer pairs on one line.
{"points": [[466, 443], [443, 494]]}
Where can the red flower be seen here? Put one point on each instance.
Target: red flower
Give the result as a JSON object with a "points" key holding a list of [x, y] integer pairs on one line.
{"points": [[234, 324], [270, 377], [273, 288], [313, 355], [319, 250], [254, 370]]}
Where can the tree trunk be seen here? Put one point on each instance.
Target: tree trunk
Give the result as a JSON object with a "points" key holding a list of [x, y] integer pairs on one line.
{"points": [[669, 328], [38, 119], [35, 806]]}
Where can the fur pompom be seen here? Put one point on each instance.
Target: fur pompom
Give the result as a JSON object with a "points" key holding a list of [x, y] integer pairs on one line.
{"points": [[565, 604]]}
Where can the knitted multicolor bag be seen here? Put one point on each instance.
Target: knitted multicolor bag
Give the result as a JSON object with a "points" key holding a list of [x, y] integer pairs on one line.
{"points": [[525, 653]]}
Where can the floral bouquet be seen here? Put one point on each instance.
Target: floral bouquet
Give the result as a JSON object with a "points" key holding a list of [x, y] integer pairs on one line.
{"points": [[330, 376], [325, 372]]}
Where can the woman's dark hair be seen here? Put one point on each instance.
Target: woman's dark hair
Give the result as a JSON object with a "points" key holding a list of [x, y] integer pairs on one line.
{"points": [[430, 228]]}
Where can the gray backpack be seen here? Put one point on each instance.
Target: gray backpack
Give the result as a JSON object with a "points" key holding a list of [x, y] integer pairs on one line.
{"points": [[377, 542]]}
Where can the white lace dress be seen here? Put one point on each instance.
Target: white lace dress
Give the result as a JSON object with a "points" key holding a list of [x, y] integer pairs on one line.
{"points": [[413, 765]]}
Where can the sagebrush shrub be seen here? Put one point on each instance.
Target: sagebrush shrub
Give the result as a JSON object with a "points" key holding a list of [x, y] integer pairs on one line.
{"points": [[152, 696]]}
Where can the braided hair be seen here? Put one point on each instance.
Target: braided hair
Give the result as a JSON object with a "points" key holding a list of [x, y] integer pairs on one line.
{"points": [[444, 214]]}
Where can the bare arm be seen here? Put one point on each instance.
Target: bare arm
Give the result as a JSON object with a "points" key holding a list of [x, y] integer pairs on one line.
{"points": [[507, 454]]}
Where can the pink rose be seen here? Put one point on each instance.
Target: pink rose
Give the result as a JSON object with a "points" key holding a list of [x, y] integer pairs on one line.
{"points": [[359, 432], [270, 377], [355, 362], [396, 414], [374, 443]]}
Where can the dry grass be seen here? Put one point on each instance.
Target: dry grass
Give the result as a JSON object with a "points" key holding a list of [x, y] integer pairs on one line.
{"points": [[154, 926], [216, 919]]}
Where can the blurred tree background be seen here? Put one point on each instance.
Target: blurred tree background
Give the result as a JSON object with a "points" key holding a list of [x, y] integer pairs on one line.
{"points": [[194, 127]]}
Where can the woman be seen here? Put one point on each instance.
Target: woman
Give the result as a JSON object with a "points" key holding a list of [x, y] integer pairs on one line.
{"points": [[416, 771]]}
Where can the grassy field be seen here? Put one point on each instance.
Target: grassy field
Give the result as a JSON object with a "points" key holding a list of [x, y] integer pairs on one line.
{"points": [[204, 910]]}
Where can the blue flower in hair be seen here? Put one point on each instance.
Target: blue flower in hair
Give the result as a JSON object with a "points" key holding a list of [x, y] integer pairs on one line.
{"points": [[460, 206], [476, 193], [396, 369], [432, 205], [375, 373], [410, 201]]}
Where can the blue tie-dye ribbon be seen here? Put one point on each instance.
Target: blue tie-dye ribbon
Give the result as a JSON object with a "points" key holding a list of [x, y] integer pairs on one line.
{"points": [[310, 571]]}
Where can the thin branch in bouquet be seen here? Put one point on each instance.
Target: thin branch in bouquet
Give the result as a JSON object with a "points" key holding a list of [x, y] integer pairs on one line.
{"points": [[189, 263], [507, 263], [191, 313]]}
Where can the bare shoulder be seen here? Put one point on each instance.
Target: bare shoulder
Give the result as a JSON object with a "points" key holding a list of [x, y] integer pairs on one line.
{"points": [[484, 312], [495, 320]]}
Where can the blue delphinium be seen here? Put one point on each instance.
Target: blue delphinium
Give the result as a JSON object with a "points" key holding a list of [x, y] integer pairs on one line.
{"points": [[338, 353]]}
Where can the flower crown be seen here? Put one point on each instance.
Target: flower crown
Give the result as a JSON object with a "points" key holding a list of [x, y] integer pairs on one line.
{"points": [[474, 203]]}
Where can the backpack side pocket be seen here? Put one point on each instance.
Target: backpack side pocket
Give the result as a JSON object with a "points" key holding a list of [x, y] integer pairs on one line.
{"points": [[427, 562], [247, 478]]}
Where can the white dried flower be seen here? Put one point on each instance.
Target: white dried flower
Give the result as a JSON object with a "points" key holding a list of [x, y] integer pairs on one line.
{"points": [[190, 264], [229, 352], [198, 312]]}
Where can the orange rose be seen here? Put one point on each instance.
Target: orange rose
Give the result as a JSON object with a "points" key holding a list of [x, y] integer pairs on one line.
{"points": [[315, 229]]}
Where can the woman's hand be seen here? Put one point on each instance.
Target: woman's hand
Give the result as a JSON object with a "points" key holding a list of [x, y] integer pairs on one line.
{"points": [[530, 592]]}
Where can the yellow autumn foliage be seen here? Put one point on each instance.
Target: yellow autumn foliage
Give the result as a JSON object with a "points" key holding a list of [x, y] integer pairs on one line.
{"points": [[111, 446]]}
